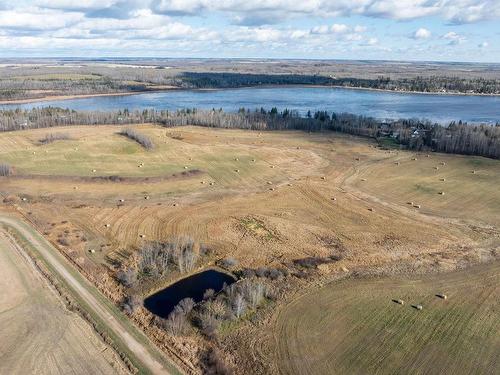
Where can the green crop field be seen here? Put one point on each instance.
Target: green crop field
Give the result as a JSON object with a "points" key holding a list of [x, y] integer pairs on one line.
{"points": [[355, 327]]}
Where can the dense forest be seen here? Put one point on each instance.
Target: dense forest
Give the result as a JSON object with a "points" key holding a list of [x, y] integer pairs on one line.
{"points": [[419, 84], [28, 85], [414, 134]]}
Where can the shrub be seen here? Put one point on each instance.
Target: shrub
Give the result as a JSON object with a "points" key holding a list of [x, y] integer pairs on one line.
{"points": [[142, 139], [52, 137], [5, 169], [131, 304], [127, 277], [228, 262]]}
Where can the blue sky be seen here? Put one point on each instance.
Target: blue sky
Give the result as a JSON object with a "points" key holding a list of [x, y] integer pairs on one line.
{"points": [[443, 30]]}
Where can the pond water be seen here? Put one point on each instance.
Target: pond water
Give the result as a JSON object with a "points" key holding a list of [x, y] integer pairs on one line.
{"points": [[163, 302], [379, 104]]}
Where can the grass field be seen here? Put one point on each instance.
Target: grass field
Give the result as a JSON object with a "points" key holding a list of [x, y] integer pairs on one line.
{"points": [[266, 199], [354, 327], [38, 334]]}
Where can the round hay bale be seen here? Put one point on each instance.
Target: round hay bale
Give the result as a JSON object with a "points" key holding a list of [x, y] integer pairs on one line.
{"points": [[146, 197], [419, 307], [94, 170], [441, 193], [416, 205], [185, 167]]}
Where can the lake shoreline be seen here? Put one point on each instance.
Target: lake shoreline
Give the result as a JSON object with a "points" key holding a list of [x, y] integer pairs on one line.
{"points": [[173, 88]]}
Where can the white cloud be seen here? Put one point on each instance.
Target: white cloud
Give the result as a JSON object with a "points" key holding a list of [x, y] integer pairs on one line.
{"points": [[483, 45], [454, 38], [422, 33]]}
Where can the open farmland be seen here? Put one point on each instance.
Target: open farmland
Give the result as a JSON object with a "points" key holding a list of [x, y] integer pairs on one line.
{"points": [[267, 199], [39, 335], [360, 329]]}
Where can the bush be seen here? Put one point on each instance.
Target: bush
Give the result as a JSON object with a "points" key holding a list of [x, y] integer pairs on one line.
{"points": [[214, 365], [5, 169], [228, 262], [51, 137], [131, 304], [127, 277], [142, 139]]}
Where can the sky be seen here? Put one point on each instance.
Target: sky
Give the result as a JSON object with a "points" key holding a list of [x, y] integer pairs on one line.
{"points": [[438, 30]]}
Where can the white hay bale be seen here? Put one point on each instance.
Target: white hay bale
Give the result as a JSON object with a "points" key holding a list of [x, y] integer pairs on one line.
{"points": [[185, 167], [289, 184], [75, 187], [122, 200], [212, 183], [92, 251], [414, 159], [371, 209], [269, 182], [236, 159], [323, 177], [237, 170], [410, 203], [442, 295], [146, 197], [253, 160], [333, 198], [419, 307], [142, 235], [473, 172], [441, 193], [436, 168], [363, 179], [442, 179], [175, 205], [272, 166], [416, 205], [107, 225], [94, 170], [272, 189], [400, 302], [442, 163], [24, 199], [203, 182]]}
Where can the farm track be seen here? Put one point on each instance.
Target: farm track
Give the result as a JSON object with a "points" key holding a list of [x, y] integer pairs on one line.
{"points": [[141, 350]]}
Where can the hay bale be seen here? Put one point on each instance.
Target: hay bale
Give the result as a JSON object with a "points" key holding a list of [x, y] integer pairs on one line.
{"points": [[212, 183], [107, 225], [185, 167], [269, 182], [272, 166], [419, 307], [253, 160], [237, 170], [416, 205], [236, 159], [441, 193], [142, 235], [333, 198], [357, 159], [175, 205], [442, 296], [289, 184], [410, 203], [363, 179], [146, 197], [399, 301], [442, 179], [397, 163], [436, 168], [272, 189], [442, 163], [371, 209], [323, 177], [92, 251], [122, 200], [414, 159], [473, 172], [203, 182], [94, 170], [75, 187]]}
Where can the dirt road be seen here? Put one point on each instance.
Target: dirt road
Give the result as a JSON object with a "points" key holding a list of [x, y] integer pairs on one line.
{"points": [[147, 355]]}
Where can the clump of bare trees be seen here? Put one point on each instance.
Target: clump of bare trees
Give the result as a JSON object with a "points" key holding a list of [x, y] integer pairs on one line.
{"points": [[177, 323], [140, 138], [52, 137], [157, 259], [5, 169], [132, 303]]}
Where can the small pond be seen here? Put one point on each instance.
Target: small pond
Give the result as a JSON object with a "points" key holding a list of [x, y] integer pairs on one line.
{"points": [[163, 302]]}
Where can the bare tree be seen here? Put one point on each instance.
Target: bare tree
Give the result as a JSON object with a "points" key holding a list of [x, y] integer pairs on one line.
{"points": [[239, 305]]}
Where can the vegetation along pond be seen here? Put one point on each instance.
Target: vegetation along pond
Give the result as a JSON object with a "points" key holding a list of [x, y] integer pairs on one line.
{"points": [[163, 302]]}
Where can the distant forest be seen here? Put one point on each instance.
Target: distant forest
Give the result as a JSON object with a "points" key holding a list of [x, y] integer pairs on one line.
{"points": [[109, 81], [417, 84], [413, 134]]}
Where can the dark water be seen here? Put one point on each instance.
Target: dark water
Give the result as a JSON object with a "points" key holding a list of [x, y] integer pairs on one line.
{"points": [[164, 301], [379, 104]]}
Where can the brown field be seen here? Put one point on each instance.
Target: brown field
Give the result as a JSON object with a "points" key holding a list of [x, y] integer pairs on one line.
{"points": [[265, 199], [39, 335]]}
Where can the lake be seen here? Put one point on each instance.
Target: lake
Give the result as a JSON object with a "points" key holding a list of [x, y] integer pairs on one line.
{"points": [[379, 104], [163, 302]]}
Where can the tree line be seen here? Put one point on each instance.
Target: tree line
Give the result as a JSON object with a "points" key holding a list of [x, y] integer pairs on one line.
{"points": [[456, 137]]}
